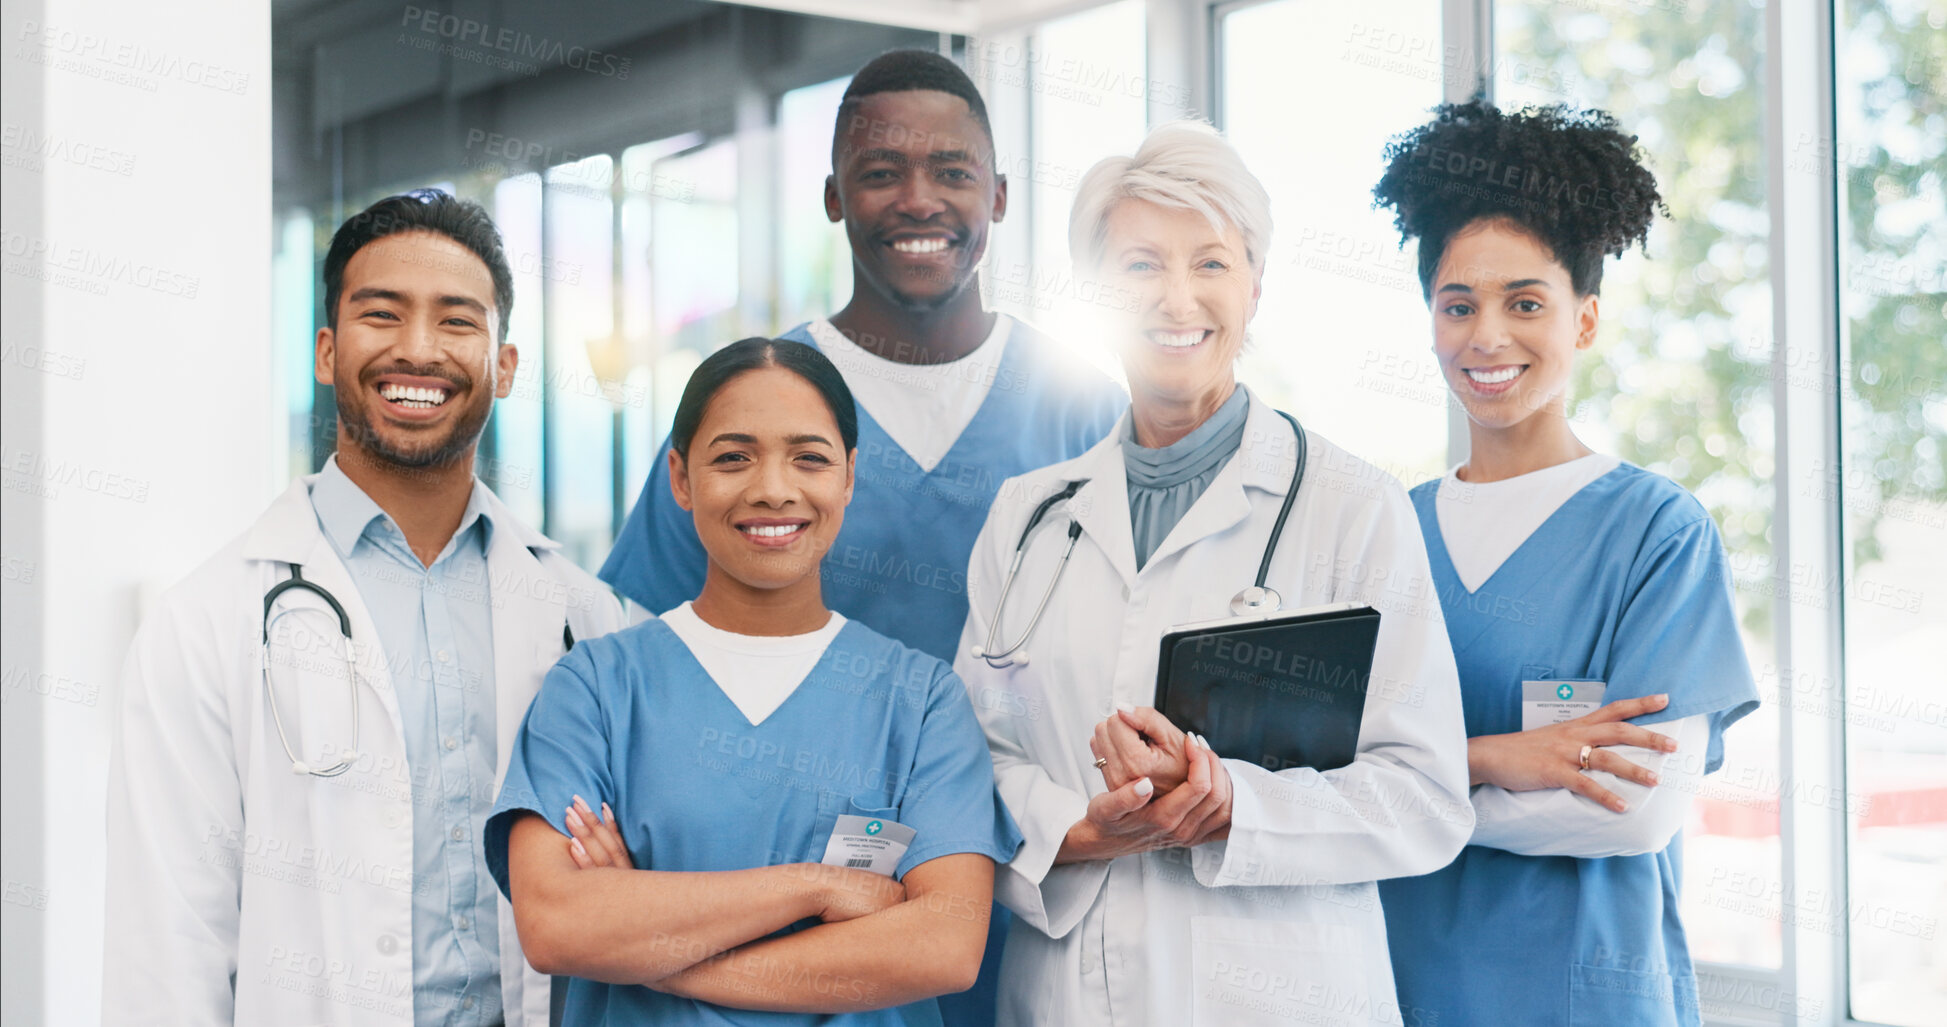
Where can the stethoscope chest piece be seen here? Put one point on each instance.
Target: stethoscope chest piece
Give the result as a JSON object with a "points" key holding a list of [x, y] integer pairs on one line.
{"points": [[1256, 599]]}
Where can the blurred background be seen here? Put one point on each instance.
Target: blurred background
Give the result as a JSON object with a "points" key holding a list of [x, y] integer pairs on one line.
{"points": [[172, 180]]}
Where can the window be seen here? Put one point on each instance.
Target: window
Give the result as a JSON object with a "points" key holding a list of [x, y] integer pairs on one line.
{"points": [[814, 259], [294, 303], [1342, 301], [1079, 83], [1680, 378], [645, 396], [514, 471], [1891, 487]]}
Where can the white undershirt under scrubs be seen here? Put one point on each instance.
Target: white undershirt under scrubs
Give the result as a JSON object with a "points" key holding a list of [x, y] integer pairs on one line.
{"points": [[1484, 524], [757, 672], [924, 407]]}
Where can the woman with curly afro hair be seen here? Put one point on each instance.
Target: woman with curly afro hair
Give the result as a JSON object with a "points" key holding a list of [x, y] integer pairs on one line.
{"points": [[1587, 599]]}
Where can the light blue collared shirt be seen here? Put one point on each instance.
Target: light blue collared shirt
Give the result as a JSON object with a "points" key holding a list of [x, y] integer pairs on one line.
{"points": [[436, 626]]}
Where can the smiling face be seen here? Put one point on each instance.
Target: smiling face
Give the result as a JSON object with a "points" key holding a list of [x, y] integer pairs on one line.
{"points": [[1506, 324], [767, 479], [913, 179], [414, 362], [1196, 292]]}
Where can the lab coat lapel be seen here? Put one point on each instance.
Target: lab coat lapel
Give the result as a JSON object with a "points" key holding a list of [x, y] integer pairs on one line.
{"points": [[529, 612], [288, 533], [1101, 507]]}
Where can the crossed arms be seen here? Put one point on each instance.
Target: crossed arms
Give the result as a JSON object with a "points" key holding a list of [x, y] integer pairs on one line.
{"points": [[583, 910]]}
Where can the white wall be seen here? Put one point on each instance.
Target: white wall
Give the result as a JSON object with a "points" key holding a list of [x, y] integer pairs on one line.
{"points": [[137, 398]]}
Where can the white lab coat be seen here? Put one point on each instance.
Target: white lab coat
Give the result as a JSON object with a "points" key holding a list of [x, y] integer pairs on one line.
{"points": [[1281, 923], [242, 892]]}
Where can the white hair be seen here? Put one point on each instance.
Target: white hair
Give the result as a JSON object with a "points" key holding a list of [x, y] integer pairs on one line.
{"points": [[1183, 164]]}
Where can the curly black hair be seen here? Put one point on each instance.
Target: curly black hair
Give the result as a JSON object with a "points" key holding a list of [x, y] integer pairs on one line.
{"points": [[1570, 178]]}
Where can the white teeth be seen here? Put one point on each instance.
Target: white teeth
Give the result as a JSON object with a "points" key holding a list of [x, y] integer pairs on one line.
{"points": [[773, 530], [412, 396], [1176, 340], [920, 245], [1506, 374]]}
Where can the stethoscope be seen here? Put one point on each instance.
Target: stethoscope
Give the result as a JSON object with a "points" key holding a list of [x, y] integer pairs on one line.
{"points": [[1259, 598], [297, 582]]}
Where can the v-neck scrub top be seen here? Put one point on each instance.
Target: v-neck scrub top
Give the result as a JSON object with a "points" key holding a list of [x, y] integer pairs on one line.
{"points": [[876, 730], [900, 561], [1627, 584], [923, 407]]}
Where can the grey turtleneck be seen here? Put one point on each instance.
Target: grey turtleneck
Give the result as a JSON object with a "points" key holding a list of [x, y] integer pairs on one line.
{"points": [[1164, 483]]}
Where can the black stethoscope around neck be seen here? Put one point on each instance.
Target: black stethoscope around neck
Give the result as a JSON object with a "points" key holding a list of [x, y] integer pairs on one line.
{"points": [[297, 582], [1258, 598]]}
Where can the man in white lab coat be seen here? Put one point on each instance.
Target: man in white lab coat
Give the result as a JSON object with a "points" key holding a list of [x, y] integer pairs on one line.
{"points": [[294, 818]]}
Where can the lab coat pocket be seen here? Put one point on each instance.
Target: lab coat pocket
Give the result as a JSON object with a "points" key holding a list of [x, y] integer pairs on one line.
{"points": [[1599, 996], [1257, 973]]}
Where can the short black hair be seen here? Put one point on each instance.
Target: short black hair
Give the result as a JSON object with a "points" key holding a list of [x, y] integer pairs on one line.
{"points": [[1570, 178], [751, 354], [896, 71], [427, 210]]}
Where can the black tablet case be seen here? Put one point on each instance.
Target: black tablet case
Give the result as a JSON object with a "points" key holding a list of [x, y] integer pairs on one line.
{"points": [[1287, 691]]}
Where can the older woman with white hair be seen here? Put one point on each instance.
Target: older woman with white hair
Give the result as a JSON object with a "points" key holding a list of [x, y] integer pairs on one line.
{"points": [[1162, 882]]}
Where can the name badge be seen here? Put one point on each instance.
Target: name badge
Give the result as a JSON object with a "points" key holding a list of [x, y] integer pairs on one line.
{"points": [[868, 843], [1552, 702]]}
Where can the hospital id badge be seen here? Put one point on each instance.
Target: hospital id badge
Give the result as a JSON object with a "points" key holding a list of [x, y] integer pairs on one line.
{"points": [[1552, 702], [868, 843]]}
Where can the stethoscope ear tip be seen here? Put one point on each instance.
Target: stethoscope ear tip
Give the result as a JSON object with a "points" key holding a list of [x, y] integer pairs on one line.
{"points": [[300, 767]]}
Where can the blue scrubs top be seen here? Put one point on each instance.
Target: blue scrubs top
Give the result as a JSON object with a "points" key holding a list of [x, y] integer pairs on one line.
{"points": [[1626, 584], [900, 562], [632, 719]]}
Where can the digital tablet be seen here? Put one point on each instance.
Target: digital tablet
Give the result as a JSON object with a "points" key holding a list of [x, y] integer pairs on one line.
{"points": [[1279, 690]]}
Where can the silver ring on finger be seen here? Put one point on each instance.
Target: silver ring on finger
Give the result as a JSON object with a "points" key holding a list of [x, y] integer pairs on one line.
{"points": [[1586, 750], [1101, 761]]}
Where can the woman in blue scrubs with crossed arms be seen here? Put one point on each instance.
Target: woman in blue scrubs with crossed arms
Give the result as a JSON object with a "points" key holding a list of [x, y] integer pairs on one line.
{"points": [[1587, 599], [812, 803]]}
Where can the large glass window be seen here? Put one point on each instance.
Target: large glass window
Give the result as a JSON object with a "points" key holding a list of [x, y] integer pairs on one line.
{"points": [[1082, 83], [814, 259], [514, 471], [294, 307], [639, 390], [1891, 484], [694, 254], [1680, 378], [1342, 301], [577, 277]]}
